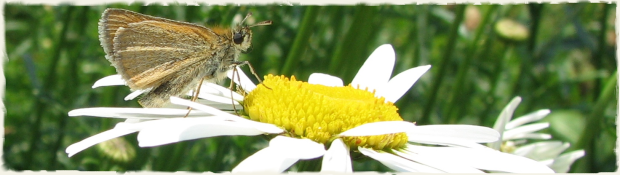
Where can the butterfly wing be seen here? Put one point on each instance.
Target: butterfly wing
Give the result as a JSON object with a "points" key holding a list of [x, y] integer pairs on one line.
{"points": [[148, 51], [113, 19]]}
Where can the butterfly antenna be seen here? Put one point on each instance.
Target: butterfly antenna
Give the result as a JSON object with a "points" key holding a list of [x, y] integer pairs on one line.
{"points": [[263, 23], [246, 17]]}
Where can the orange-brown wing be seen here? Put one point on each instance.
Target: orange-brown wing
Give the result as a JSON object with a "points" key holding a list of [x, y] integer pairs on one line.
{"points": [[149, 52], [113, 19]]}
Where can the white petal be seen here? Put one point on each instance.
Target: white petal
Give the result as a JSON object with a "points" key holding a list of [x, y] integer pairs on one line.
{"points": [[377, 69], [133, 120], [135, 94], [281, 153], [306, 148], [524, 130], [534, 116], [204, 88], [454, 142], [401, 83], [379, 128], [445, 165], [547, 162], [397, 163], [98, 138], [219, 113], [226, 107], [539, 136], [504, 117], [487, 159], [214, 89], [218, 99], [542, 150], [209, 89], [563, 162], [447, 133], [325, 79], [198, 106], [266, 160], [337, 158], [112, 80], [245, 83], [166, 131], [135, 126], [136, 113], [221, 91]]}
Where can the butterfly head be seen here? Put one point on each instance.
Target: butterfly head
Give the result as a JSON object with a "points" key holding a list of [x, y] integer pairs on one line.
{"points": [[242, 35]]}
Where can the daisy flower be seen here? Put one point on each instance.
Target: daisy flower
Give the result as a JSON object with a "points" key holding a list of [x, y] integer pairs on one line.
{"points": [[308, 117], [515, 133], [212, 116]]}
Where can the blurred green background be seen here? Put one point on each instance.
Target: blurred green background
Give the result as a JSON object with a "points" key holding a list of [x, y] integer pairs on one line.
{"points": [[562, 60]]}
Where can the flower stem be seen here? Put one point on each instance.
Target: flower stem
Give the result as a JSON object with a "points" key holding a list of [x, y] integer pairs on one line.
{"points": [[301, 40], [352, 50], [50, 83], [495, 76], [459, 89], [590, 138], [443, 64], [421, 45], [526, 64], [598, 55], [74, 81]]}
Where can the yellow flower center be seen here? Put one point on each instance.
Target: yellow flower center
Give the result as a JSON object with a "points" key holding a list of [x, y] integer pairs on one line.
{"points": [[320, 113], [508, 147]]}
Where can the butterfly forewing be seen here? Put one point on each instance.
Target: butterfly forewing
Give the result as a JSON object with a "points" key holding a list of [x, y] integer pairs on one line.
{"points": [[136, 50], [144, 48], [111, 21]]}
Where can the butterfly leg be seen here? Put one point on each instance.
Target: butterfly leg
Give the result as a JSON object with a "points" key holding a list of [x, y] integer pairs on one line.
{"points": [[195, 96]]}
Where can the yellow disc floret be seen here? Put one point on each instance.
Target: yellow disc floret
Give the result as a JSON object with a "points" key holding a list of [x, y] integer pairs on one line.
{"points": [[320, 113]]}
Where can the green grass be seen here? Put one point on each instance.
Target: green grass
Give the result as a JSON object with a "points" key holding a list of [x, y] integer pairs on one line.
{"points": [[566, 64]]}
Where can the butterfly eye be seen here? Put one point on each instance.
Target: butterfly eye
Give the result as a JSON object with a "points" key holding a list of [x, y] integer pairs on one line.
{"points": [[238, 38]]}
